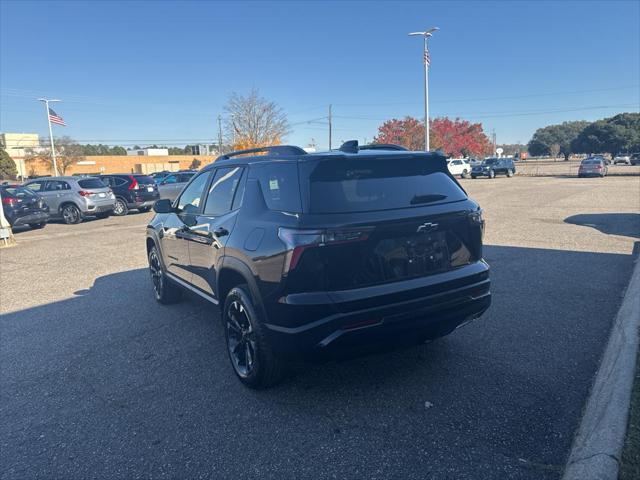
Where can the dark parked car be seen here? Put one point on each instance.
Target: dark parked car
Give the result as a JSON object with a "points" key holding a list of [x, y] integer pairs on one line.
{"points": [[491, 167], [635, 159], [316, 255], [133, 192], [23, 207], [593, 167]]}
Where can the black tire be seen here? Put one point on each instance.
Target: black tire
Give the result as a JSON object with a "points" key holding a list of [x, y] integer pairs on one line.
{"points": [[473, 177], [165, 291], [71, 214], [492, 174], [144, 209], [37, 226], [120, 208], [250, 353], [509, 173], [465, 174]]}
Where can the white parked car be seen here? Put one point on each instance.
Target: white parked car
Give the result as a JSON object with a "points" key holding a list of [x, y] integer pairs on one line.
{"points": [[622, 158], [459, 166]]}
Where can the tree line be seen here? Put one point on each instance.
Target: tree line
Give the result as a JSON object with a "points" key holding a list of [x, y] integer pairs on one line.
{"points": [[613, 135]]}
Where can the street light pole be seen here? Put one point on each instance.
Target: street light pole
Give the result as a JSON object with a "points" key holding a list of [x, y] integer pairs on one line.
{"points": [[426, 59], [53, 150]]}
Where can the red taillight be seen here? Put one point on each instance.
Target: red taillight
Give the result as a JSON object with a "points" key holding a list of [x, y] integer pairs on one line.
{"points": [[84, 193], [297, 241], [9, 201], [134, 183], [599, 167]]}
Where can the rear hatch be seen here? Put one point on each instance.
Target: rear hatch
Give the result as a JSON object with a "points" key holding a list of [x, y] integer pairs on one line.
{"points": [[379, 220], [23, 201], [145, 187], [95, 190]]}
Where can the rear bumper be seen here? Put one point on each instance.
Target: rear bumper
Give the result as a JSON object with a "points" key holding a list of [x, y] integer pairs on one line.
{"points": [[352, 322], [37, 217], [143, 203], [93, 209]]}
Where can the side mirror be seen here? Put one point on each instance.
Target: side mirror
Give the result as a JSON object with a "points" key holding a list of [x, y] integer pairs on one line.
{"points": [[163, 206]]}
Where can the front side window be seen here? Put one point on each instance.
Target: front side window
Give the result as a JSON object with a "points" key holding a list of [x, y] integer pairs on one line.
{"points": [[222, 190], [170, 179], [189, 201], [56, 185]]}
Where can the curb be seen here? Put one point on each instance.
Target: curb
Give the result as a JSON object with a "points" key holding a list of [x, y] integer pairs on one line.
{"points": [[597, 447]]}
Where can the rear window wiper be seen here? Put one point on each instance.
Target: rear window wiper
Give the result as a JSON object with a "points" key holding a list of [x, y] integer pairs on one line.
{"points": [[418, 199]]}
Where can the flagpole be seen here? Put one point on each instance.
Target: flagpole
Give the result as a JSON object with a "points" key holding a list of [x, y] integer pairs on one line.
{"points": [[426, 94], [53, 150]]}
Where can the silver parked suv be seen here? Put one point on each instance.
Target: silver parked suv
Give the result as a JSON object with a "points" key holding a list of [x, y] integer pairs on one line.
{"points": [[73, 198]]}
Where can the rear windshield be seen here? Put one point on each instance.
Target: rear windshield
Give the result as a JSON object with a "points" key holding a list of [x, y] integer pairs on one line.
{"points": [[16, 192], [591, 162], [361, 185], [490, 161], [91, 183], [144, 179]]}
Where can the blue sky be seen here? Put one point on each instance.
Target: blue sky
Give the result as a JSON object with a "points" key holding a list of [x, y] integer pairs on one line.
{"points": [[160, 72]]}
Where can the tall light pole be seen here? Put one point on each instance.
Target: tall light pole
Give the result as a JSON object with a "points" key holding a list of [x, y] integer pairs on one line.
{"points": [[425, 35], [53, 150]]}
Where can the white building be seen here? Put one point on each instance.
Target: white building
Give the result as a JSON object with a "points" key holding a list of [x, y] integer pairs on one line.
{"points": [[16, 144], [150, 152]]}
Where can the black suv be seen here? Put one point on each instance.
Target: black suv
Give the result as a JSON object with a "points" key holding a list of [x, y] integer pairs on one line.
{"points": [[133, 191], [317, 255], [491, 167]]}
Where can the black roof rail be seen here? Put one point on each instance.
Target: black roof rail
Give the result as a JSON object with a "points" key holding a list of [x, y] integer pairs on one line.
{"points": [[272, 150], [383, 146]]}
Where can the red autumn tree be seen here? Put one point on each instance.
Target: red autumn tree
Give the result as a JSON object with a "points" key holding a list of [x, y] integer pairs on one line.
{"points": [[407, 132], [454, 137], [458, 138]]}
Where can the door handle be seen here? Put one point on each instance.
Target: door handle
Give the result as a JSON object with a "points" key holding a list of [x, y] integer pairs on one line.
{"points": [[220, 232]]}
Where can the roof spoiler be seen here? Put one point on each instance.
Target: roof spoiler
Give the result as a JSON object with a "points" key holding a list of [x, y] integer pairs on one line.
{"points": [[271, 150], [351, 146]]}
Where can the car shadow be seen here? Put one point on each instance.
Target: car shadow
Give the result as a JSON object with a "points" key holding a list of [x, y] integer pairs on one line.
{"points": [[111, 370], [624, 224]]}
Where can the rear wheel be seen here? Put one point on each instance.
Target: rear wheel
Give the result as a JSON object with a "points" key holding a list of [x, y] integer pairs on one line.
{"points": [[120, 208], [71, 214], [249, 350], [38, 225], [165, 291], [492, 174], [465, 173], [509, 173]]}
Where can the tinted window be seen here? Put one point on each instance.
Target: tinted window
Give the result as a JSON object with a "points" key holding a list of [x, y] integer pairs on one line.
{"points": [[221, 191], [490, 161], [119, 182], [144, 179], [17, 192], [91, 183], [56, 185], [279, 184], [189, 201], [185, 177], [360, 185]]}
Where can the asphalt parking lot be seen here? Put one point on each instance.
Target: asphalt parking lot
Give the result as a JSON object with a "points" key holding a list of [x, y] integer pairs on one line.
{"points": [[98, 381]]}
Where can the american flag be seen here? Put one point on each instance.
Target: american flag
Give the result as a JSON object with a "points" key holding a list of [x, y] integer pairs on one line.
{"points": [[55, 118], [427, 58]]}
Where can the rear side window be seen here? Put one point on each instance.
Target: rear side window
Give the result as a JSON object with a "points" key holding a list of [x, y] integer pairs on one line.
{"points": [[279, 185], [361, 185], [91, 183]]}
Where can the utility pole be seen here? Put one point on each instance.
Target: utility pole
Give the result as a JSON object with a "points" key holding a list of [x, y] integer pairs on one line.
{"points": [[493, 137], [330, 126], [427, 60], [220, 134], [53, 150]]}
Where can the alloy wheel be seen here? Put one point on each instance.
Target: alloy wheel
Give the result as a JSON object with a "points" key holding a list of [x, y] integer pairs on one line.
{"points": [[155, 269], [241, 340], [70, 214], [119, 208]]}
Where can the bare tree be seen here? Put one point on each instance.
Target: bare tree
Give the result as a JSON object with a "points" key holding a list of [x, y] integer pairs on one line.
{"points": [[253, 121], [68, 152], [554, 150]]}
